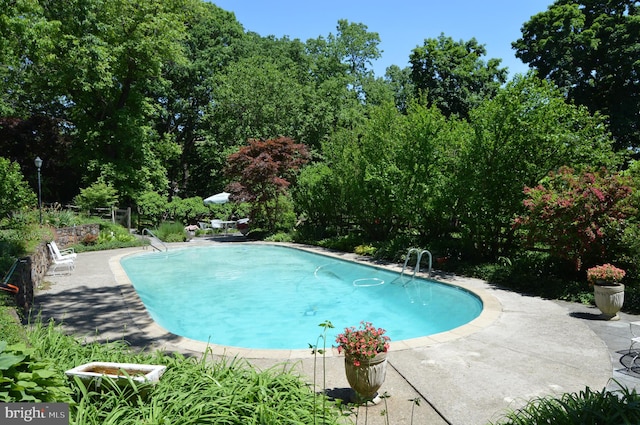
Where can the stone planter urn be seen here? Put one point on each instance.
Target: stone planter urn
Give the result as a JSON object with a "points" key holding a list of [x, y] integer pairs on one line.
{"points": [[366, 378], [609, 299]]}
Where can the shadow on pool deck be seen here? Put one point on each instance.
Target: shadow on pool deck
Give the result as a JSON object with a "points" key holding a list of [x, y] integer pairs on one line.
{"points": [[532, 347]]}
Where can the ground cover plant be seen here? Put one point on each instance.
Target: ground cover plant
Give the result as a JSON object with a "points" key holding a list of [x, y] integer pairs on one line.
{"points": [[11, 330]]}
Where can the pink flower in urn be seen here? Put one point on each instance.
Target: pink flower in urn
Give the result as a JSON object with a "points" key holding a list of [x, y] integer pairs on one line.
{"points": [[606, 273], [362, 343]]}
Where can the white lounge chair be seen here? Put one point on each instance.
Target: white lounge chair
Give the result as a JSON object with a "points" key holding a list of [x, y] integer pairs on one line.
{"points": [[64, 254], [216, 224], [205, 227], [56, 263]]}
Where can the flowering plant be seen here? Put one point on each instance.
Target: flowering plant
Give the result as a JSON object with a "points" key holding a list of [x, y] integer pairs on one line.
{"points": [[605, 272], [362, 343], [191, 228]]}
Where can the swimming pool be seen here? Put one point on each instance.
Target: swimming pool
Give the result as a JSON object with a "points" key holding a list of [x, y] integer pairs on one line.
{"points": [[274, 297]]}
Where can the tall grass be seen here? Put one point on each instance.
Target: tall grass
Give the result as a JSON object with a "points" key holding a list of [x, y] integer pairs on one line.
{"points": [[191, 391], [171, 232]]}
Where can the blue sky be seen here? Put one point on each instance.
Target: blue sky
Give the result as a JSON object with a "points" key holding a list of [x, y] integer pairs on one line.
{"points": [[402, 25]]}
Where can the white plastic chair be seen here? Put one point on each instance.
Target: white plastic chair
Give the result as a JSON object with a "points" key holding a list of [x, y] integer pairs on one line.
{"points": [[635, 339], [65, 254], [57, 263]]}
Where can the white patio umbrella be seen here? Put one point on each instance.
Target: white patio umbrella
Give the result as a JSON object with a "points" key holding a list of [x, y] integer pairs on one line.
{"points": [[218, 198]]}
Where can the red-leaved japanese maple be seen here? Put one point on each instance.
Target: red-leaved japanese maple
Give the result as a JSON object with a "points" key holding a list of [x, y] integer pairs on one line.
{"points": [[263, 170]]}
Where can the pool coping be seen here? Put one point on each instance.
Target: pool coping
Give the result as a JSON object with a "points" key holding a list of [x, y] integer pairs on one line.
{"points": [[492, 308]]}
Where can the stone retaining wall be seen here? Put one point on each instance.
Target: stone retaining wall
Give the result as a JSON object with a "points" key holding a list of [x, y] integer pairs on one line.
{"points": [[66, 236], [32, 269]]}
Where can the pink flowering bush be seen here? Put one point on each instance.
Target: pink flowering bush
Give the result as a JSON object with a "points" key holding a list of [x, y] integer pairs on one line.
{"points": [[362, 343], [576, 215], [605, 272]]}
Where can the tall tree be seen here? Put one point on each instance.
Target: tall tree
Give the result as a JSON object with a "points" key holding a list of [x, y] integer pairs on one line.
{"points": [[357, 47], [26, 39], [350, 52], [401, 85], [259, 96], [211, 45], [590, 49], [107, 58], [453, 76]]}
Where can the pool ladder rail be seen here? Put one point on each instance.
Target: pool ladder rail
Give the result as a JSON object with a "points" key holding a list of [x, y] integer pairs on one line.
{"points": [[419, 253], [155, 241]]}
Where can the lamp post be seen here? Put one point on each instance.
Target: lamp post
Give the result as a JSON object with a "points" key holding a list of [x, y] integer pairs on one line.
{"points": [[38, 163]]}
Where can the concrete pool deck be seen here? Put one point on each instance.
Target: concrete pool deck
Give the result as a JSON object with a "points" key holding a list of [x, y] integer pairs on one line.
{"points": [[520, 348]]}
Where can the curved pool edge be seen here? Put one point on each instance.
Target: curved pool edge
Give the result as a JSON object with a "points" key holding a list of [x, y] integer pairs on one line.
{"points": [[491, 310]]}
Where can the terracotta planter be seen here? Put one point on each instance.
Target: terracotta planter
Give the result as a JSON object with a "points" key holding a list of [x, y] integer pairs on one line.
{"points": [[609, 299], [368, 377]]}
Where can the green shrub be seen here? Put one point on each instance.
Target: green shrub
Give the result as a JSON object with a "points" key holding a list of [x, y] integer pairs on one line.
{"points": [[280, 237], [584, 408], [110, 232], [346, 243], [25, 378], [151, 206], [58, 217], [171, 232], [365, 250], [188, 210], [15, 193], [98, 195]]}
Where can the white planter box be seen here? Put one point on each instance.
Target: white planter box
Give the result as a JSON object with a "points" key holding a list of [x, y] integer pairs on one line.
{"points": [[94, 371]]}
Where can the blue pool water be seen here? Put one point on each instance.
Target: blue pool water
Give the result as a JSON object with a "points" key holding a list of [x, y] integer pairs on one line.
{"points": [[273, 297]]}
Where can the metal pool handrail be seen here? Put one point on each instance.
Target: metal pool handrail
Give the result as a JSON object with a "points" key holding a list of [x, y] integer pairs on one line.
{"points": [[153, 238]]}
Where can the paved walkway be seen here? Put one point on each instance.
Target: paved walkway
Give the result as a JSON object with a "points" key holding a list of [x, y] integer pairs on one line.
{"points": [[521, 348]]}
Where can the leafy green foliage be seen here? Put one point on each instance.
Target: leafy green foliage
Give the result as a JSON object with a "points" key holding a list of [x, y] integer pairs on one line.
{"points": [[25, 378], [365, 250], [586, 407], [388, 176], [99, 195], [59, 217], [26, 36], [11, 330], [280, 237], [171, 232], [152, 206], [189, 210], [521, 135], [577, 215], [186, 115], [452, 75], [106, 58], [15, 194], [590, 49]]}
